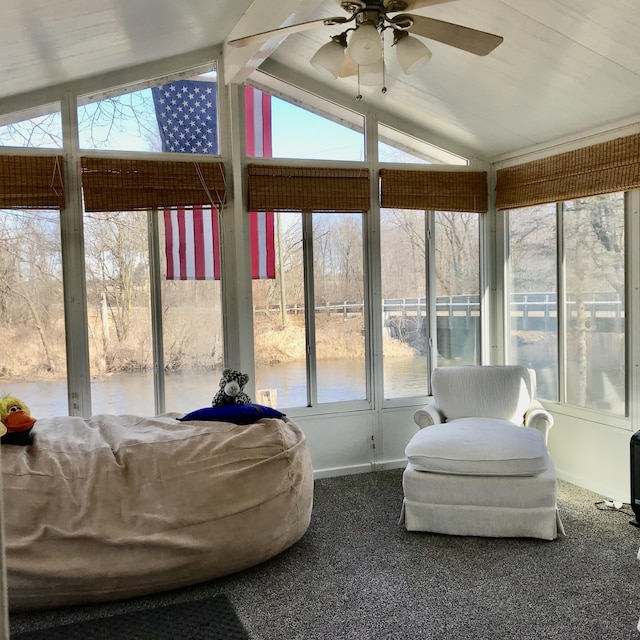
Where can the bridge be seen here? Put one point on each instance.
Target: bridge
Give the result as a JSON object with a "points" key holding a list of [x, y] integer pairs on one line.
{"points": [[405, 318]]}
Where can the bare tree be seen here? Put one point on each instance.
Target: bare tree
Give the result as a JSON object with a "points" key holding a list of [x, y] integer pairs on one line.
{"points": [[30, 276], [116, 247]]}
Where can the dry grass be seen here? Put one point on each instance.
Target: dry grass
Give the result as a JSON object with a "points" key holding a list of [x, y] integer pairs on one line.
{"points": [[187, 348], [336, 337]]}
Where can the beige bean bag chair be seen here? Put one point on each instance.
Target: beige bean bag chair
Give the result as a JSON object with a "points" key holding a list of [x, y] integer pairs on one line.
{"points": [[120, 506]]}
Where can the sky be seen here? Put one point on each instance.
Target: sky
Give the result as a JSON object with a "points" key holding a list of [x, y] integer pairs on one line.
{"points": [[296, 132]]}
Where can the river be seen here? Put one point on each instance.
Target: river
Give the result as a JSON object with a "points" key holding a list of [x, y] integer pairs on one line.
{"points": [[132, 393]]}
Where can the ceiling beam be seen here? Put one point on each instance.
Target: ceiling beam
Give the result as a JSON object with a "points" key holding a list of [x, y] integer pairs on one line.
{"points": [[262, 15]]}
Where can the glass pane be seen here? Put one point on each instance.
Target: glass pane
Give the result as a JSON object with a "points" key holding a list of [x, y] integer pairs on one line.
{"points": [[397, 146], [39, 128], [179, 116], [33, 365], [120, 123], [192, 327], [339, 306], [404, 308], [533, 295], [120, 345], [279, 321], [298, 133], [457, 245], [595, 266]]}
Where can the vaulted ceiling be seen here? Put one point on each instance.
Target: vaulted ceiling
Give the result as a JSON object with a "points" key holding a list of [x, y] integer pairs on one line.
{"points": [[565, 67]]}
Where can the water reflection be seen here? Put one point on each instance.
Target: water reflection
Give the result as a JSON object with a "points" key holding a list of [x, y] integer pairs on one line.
{"points": [[132, 392]]}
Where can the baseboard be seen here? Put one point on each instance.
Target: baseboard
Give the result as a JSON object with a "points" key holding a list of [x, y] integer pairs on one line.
{"points": [[359, 468], [385, 465], [341, 471]]}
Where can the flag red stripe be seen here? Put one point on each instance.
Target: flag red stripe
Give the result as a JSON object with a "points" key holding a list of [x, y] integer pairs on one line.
{"points": [[270, 246], [168, 243], [216, 243], [182, 234], [198, 244]]}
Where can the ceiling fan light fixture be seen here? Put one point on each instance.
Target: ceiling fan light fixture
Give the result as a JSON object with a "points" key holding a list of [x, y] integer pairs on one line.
{"points": [[365, 44], [412, 54], [329, 58]]}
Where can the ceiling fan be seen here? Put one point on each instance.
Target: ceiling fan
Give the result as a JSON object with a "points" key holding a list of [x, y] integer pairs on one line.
{"points": [[359, 50]]}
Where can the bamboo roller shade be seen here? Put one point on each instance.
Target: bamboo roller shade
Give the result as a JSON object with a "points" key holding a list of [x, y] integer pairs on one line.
{"points": [[31, 182], [434, 190], [111, 184], [601, 168], [278, 188]]}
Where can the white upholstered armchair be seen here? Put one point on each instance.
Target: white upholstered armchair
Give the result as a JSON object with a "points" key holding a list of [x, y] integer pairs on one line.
{"points": [[479, 464], [501, 392]]}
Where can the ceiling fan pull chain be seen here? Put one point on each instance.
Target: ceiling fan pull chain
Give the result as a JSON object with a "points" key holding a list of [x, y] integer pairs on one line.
{"points": [[384, 66], [359, 96]]}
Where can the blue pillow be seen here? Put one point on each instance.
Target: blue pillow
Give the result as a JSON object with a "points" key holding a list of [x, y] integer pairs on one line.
{"points": [[236, 413]]}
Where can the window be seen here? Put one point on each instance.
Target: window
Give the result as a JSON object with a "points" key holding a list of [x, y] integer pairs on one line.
{"points": [[338, 273], [120, 321], [593, 232], [192, 337], [300, 133], [279, 321], [533, 308], [32, 323], [581, 306], [179, 116], [457, 273], [119, 316], [396, 146], [405, 250], [40, 128], [305, 359], [405, 345]]}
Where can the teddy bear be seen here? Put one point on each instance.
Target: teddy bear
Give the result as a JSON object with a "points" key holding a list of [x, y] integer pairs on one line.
{"points": [[231, 389]]}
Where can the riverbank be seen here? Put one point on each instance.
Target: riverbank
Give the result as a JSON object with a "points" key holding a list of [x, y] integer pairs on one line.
{"points": [[26, 358]]}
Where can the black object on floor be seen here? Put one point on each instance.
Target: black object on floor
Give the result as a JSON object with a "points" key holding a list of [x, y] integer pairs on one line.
{"points": [[207, 619]]}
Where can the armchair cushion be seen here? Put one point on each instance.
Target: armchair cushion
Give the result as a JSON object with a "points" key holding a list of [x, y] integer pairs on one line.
{"points": [[478, 446], [503, 392]]}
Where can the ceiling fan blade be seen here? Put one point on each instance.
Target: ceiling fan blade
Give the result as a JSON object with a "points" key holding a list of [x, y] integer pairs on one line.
{"points": [[256, 38], [410, 5], [479, 42]]}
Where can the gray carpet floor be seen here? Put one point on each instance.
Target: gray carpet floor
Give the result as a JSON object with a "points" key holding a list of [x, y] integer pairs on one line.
{"points": [[358, 574]]}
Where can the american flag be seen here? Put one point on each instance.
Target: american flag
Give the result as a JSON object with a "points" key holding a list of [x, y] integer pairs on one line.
{"points": [[192, 243], [187, 118]]}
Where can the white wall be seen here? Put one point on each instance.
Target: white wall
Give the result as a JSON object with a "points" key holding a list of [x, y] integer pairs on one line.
{"points": [[357, 442], [592, 454]]}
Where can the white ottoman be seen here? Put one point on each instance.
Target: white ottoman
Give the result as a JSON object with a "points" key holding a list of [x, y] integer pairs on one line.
{"points": [[480, 478]]}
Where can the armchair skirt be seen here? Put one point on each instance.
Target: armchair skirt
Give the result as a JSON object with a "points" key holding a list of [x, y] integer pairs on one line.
{"points": [[472, 505]]}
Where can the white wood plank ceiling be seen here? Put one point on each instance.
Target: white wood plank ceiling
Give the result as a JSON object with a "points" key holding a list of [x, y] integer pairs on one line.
{"points": [[565, 66]]}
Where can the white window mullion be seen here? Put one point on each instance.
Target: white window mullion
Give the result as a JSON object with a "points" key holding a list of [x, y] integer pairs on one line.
{"points": [[561, 299], [73, 269], [632, 304], [310, 305]]}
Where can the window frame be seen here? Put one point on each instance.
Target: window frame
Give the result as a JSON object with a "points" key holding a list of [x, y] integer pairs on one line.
{"points": [[632, 308]]}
